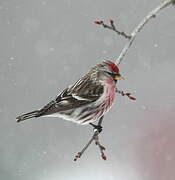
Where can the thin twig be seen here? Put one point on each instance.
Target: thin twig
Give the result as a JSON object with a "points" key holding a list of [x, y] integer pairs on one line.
{"points": [[97, 142], [113, 28], [101, 148], [126, 94], [79, 154], [138, 28]]}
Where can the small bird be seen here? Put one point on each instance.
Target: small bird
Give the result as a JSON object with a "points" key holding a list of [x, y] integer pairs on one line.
{"points": [[85, 101]]}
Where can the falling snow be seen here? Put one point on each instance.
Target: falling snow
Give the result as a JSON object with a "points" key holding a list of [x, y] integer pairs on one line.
{"points": [[11, 58]]}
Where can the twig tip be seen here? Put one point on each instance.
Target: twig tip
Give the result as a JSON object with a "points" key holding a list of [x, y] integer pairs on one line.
{"points": [[98, 22], [77, 156], [132, 98], [104, 157]]}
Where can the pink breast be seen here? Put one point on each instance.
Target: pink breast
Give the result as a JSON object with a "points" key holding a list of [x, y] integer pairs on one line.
{"points": [[107, 100], [110, 93]]}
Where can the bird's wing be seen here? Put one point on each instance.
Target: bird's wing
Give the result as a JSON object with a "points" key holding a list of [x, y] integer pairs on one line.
{"points": [[83, 92]]}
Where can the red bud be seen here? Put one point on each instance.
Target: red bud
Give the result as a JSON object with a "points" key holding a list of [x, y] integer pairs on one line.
{"points": [[98, 22], [133, 98], [104, 157], [103, 148]]}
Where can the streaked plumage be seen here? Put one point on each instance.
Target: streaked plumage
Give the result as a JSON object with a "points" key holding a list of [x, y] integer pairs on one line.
{"points": [[85, 101]]}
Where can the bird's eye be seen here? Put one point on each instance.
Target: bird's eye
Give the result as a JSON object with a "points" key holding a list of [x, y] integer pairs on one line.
{"points": [[111, 74]]}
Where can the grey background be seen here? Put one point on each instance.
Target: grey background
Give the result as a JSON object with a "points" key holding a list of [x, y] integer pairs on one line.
{"points": [[45, 45]]}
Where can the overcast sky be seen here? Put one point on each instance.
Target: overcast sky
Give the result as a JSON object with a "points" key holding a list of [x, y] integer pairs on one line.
{"points": [[45, 45]]}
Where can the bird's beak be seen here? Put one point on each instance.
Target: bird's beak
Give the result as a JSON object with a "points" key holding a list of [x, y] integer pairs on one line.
{"points": [[118, 77]]}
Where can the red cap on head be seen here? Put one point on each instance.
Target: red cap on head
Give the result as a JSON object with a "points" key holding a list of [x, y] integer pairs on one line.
{"points": [[113, 66]]}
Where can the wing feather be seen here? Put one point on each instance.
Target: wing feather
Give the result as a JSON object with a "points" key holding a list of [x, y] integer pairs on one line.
{"points": [[83, 92]]}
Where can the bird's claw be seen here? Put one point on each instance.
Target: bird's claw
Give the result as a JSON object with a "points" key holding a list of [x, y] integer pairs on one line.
{"points": [[97, 127]]}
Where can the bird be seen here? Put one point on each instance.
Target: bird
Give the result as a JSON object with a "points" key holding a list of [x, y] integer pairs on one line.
{"points": [[87, 100]]}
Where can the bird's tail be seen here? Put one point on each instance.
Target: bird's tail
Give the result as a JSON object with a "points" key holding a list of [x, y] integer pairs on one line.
{"points": [[27, 116]]}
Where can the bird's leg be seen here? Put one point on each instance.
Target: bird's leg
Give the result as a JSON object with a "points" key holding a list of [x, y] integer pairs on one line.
{"points": [[97, 127]]}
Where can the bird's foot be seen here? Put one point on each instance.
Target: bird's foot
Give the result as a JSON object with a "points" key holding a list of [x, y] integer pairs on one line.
{"points": [[97, 127]]}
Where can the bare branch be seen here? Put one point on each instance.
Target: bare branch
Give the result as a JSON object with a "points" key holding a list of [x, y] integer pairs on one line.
{"points": [[113, 28], [101, 148], [97, 142], [138, 28], [126, 94]]}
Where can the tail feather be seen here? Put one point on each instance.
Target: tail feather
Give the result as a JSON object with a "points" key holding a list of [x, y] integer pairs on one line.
{"points": [[27, 116]]}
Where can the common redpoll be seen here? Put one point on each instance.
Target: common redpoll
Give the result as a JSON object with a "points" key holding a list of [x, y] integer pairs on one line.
{"points": [[85, 101]]}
